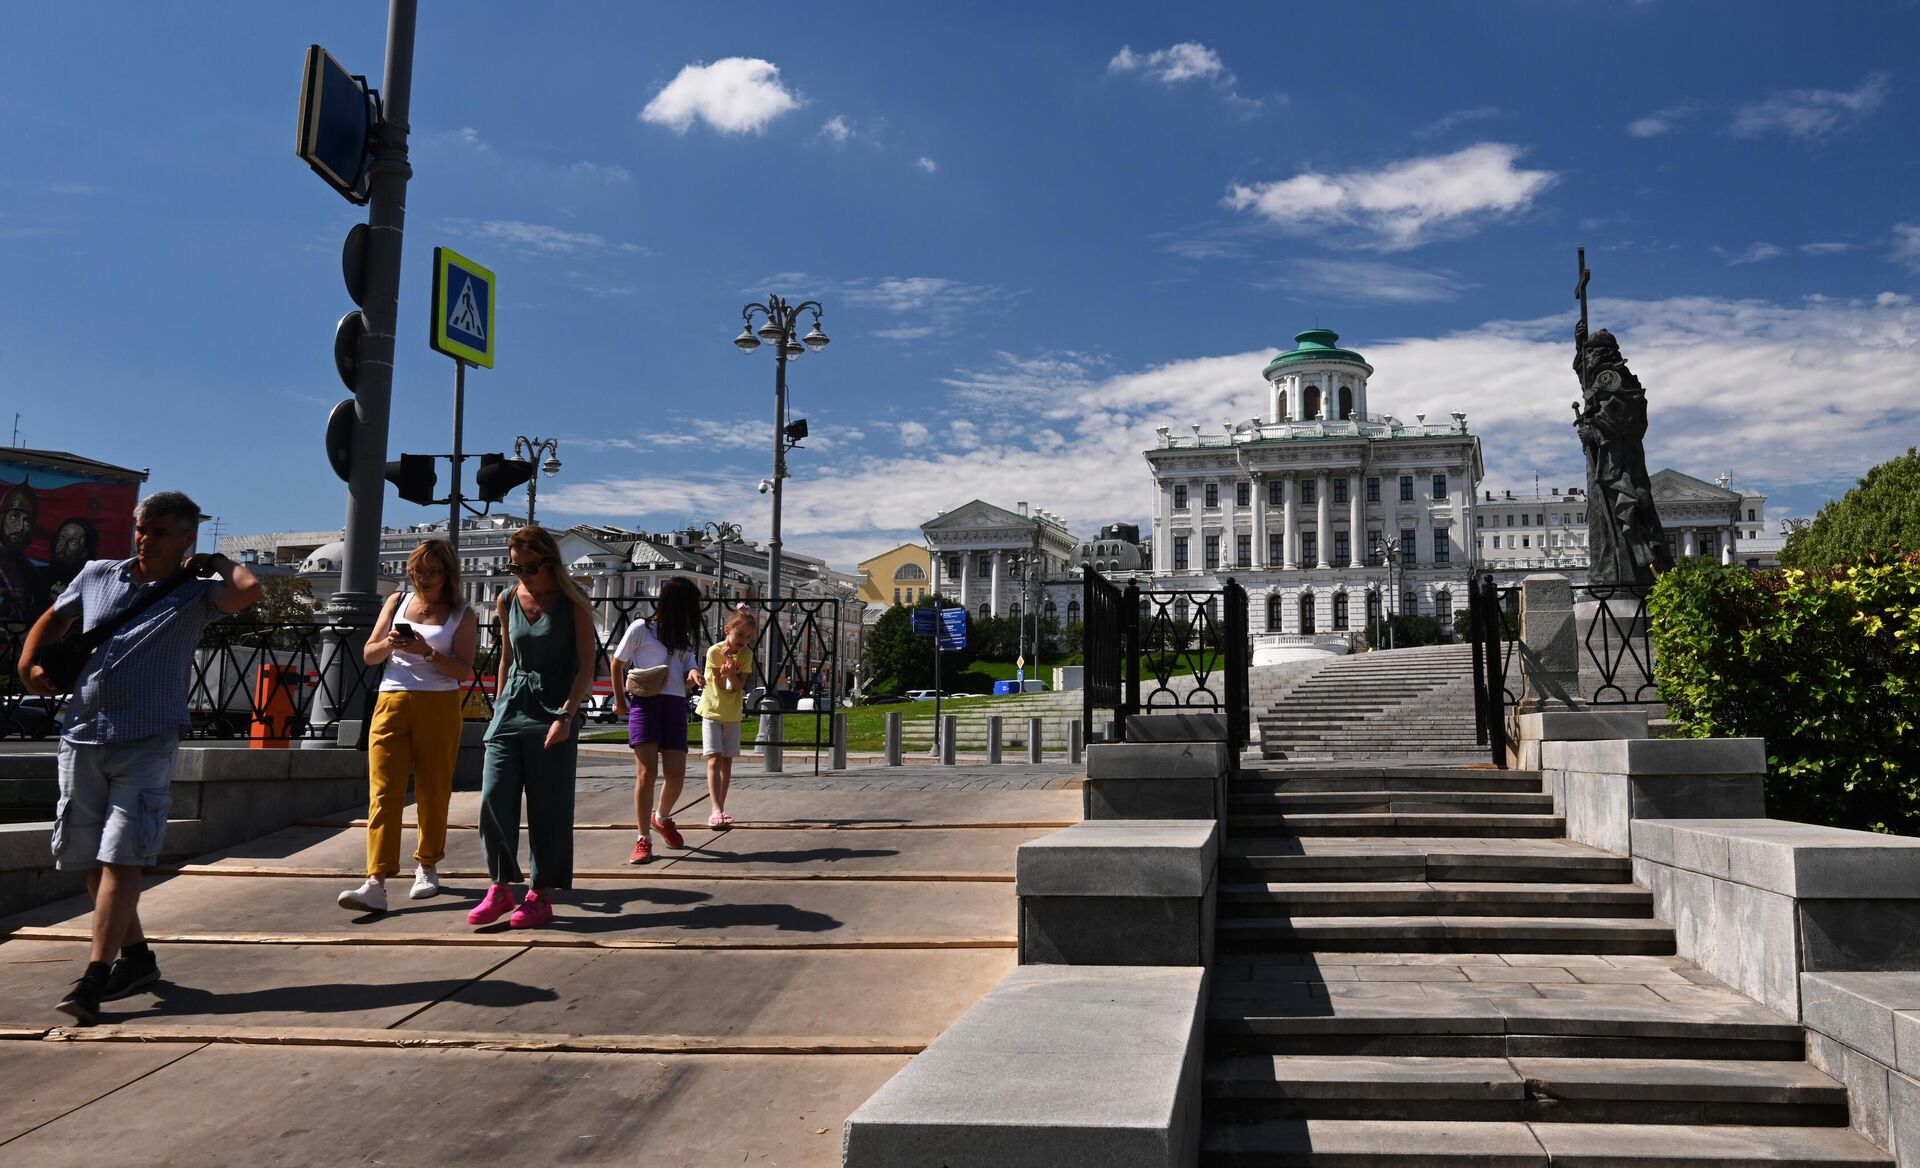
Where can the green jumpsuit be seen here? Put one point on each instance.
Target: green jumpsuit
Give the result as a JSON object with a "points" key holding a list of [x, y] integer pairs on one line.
{"points": [[532, 696]]}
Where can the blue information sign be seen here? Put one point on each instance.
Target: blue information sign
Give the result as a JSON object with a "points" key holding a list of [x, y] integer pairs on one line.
{"points": [[953, 628], [923, 622]]}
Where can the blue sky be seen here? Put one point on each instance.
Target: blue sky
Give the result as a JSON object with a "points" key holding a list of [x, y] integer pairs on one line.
{"points": [[1038, 235]]}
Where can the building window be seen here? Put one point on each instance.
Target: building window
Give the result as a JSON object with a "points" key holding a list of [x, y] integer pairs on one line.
{"points": [[1443, 605], [1509, 542], [1243, 550], [1275, 607], [1539, 520], [1312, 400], [986, 612], [1309, 548], [1049, 612], [1213, 494], [1439, 486], [1211, 550], [910, 572], [896, 596], [1013, 610], [1526, 541], [1750, 515], [1309, 492], [1243, 494], [1073, 612], [1373, 607], [1409, 548], [1179, 496], [1346, 412], [1306, 614], [1276, 549], [1340, 610], [1411, 603], [1479, 521], [1373, 488], [1406, 488], [953, 567], [1509, 520], [1373, 546], [983, 567], [1179, 553], [1340, 489], [1342, 551], [1284, 416], [1276, 491], [1442, 547]]}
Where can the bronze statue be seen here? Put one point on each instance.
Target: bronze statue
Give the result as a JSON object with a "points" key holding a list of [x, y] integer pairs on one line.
{"points": [[1625, 542]]}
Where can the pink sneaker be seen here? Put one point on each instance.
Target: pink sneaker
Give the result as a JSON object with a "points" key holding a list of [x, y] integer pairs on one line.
{"points": [[498, 903], [534, 911]]}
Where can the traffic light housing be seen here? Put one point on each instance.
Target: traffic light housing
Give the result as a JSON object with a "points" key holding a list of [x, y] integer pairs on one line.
{"points": [[413, 475], [346, 356], [498, 475]]}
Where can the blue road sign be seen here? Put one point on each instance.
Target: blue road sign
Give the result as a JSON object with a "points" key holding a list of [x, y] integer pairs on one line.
{"points": [[953, 628], [923, 622], [463, 304]]}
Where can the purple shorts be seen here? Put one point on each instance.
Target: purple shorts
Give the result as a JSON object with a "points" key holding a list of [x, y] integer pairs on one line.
{"points": [[660, 720]]}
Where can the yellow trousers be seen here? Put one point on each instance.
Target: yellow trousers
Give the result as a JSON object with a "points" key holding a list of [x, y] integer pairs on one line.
{"points": [[417, 733]]}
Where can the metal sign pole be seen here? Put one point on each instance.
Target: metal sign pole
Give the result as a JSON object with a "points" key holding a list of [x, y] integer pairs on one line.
{"points": [[459, 423]]}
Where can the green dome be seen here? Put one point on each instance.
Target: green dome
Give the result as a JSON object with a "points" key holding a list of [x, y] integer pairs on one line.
{"points": [[1317, 344]]}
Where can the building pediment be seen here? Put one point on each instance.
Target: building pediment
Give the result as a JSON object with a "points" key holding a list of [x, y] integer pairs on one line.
{"points": [[1671, 486], [972, 516]]}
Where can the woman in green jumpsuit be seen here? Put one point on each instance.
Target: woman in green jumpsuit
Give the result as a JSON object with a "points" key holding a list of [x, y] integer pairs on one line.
{"points": [[546, 671]]}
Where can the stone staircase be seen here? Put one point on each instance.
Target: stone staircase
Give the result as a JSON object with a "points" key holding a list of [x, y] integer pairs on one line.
{"points": [[1401, 704], [1416, 968], [1056, 712]]}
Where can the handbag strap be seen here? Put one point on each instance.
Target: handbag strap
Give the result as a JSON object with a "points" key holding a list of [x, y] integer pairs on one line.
{"points": [[99, 634]]}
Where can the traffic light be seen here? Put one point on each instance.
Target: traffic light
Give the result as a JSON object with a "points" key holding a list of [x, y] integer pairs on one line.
{"points": [[413, 475], [499, 475], [346, 353]]}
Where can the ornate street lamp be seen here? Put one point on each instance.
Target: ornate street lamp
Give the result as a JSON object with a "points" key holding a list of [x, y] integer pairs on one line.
{"points": [[531, 449], [1389, 558], [778, 320], [723, 534]]}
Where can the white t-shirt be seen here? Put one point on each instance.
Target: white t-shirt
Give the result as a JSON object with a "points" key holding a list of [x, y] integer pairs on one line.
{"points": [[641, 649], [407, 673]]}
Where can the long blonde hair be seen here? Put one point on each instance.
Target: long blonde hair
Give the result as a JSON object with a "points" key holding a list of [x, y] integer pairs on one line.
{"points": [[539, 541], [440, 553]]}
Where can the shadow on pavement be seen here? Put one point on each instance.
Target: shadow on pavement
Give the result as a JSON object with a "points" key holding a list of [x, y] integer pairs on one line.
{"points": [[175, 1000]]}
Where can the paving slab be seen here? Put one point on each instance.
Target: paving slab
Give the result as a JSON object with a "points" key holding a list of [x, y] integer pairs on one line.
{"points": [[892, 853], [46, 1080], [713, 913], [1644, 1145], [285, 1105], [271, 985], [903, 996]]}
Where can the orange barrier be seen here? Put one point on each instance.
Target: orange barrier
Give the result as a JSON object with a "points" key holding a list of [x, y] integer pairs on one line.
{"points": [[273, 699]]}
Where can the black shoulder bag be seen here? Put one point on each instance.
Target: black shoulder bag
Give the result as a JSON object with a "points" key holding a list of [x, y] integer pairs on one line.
{"points": [[64, 659]]}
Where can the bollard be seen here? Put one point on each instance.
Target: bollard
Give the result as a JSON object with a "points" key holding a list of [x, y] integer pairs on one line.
{"points": [[993, 738], [1034, 746], [1076, 742], [771, 731], [895, 751], [839, 742], [949, 729]]}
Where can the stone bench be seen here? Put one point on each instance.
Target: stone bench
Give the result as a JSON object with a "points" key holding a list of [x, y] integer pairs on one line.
{"points": [[1865, 1032], [1056, 1067], [1119, 892]]}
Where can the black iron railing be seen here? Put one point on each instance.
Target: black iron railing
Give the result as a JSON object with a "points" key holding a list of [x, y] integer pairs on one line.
{"points": [[1617, 644], [1491, 628], [1148, 650]]}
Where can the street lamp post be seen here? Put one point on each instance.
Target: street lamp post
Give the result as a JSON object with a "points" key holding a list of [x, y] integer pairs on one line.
{"points": [[1390, 557], [723, 533], [778, 321], [531, 449]]}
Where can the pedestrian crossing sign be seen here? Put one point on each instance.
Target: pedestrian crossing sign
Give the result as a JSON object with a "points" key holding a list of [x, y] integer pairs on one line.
{"points": [[463, 296]]}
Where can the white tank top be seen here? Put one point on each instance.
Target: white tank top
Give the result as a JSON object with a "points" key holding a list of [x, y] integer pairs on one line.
{"points": [[409, 673]]}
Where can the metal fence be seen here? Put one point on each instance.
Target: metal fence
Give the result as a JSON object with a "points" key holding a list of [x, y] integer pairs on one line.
{"points": [[1157, 650]]}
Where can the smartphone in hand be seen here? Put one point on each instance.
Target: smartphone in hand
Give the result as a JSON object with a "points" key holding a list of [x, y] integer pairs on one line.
{"points": [[404, 629]]}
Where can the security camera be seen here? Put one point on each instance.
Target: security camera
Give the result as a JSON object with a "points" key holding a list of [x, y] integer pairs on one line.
{"points": [[766, 485]]}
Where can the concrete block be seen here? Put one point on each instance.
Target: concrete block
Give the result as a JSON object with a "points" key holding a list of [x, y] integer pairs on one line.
{"points": [[1117, 930], [327, 764], [1859, 1008], [1196, 798], [1137, 857], [1906, 1044], [1859, 934], [26, 846], [1602, 809], [1797, 859], [1682, 845], [1180, 727], [1158, 760], [1582, 725], [1056, 1067], [1866, 1080], [1754, 948], [38, 765], [1659, 756], [232, 763], [1903, 1119]]}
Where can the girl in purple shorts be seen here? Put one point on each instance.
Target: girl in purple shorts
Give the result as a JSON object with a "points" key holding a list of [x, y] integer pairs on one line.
{"points": [[657, 725]]}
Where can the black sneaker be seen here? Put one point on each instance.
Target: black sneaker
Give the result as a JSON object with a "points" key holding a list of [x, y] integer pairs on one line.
{"points": [[83, 1001], [129, 976]]}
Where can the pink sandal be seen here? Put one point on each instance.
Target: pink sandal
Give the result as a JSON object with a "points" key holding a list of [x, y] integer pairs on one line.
{"points": [[720, 819]]}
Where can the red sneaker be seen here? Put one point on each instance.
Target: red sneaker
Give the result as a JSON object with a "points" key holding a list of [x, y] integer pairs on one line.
{"points": [[669, 834], [534, 911], [642, 851], [498, 903]]}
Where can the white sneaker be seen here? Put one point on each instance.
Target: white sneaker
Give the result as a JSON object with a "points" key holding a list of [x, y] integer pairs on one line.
{"points": [[369, 897], [426, 882]]}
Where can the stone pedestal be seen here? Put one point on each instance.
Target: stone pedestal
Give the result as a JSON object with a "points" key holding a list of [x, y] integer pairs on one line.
{"points": [[1156, 780], [1549, 650], [1132, 892]]}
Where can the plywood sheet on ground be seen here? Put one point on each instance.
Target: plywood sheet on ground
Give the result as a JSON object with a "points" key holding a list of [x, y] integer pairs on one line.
{"points": [[345, 1106], [979, 852], [342, 851], [788, 913], [268, 985], [909, 995], [46, 1080]]}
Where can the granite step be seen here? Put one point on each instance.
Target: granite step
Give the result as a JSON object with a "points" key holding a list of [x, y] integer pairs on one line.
{"points": [[1549, 1090], [1444, 933], [1391, 802], [1411, 898], [1364, 1143], [1334, 859], [1257, 782], [1398, 824]]}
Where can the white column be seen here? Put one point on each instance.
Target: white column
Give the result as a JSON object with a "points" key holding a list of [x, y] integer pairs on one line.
{"points": [[1686, 542], [993, 585], [1323, 540], [966, 581], [1163, 530], [1423, 519], [933, 572], [1728, 546], [1228, 488], [1357, 522], [1259, 542], [1289, 511]]}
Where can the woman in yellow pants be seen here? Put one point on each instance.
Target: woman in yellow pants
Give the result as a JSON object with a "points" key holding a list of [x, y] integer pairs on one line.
{"points": [[426, 638]]}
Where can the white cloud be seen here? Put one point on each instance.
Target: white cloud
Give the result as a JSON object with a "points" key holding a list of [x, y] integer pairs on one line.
{"points": [[914, 434], [1809, 113], [1362, 281], [1892, 300], [734, 95], [1187, 61], [927, 164], [612, 174], [1825, 248], [963, 435], [1404, 204], [930, 305], [1664, 121], [1758, 253], [539, 238], [1451, 121], [836, 129], [1906, 245]]}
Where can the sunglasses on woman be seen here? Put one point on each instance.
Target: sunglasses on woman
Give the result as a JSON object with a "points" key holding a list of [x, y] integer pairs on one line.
{"points": [[525, 570]]}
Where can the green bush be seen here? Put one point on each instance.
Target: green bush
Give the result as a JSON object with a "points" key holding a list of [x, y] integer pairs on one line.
{"points": [[1822, 664], [1408, 632]]}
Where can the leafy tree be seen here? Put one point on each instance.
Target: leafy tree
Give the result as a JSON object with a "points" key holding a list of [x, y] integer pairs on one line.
{"points": [[1408, 631], [1878, 517], [898, 660]]}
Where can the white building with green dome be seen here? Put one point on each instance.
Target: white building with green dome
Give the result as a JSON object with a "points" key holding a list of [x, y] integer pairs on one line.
{"points": [[1298, 503]]}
